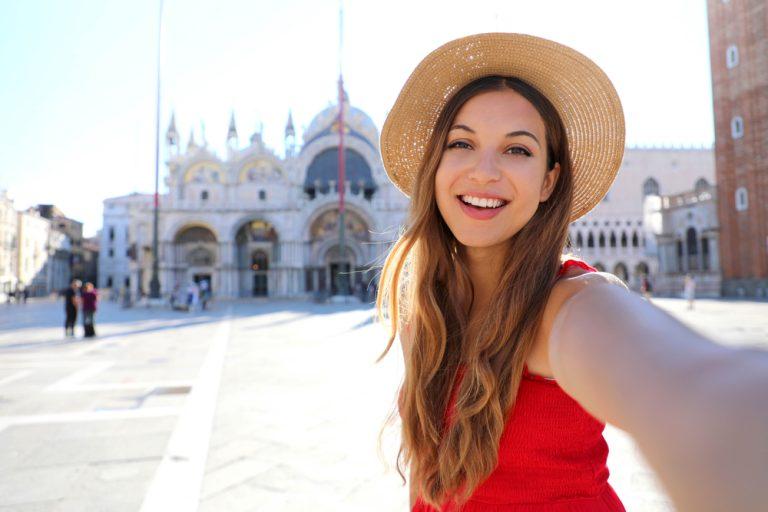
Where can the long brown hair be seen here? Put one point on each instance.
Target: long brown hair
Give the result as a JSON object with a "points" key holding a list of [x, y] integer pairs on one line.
{"points": [[425, 287]]}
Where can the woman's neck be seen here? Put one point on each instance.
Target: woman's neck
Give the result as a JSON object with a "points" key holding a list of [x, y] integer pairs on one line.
{"points": [[485, 264]]}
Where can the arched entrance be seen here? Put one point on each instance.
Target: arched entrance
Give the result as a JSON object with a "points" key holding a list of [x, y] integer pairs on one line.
{"points": [[331, 271], [260, 267], [195, 250], [620, 271], [256, 248], [339, 269]]}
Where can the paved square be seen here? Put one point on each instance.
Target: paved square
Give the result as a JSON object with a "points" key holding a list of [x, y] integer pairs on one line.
{"points": [[269, 406]]}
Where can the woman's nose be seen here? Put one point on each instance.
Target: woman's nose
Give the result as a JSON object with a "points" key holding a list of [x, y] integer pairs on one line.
{"points": [[486, 168]]}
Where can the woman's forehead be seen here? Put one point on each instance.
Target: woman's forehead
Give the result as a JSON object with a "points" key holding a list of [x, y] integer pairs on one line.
{"points": [[502, 111]]}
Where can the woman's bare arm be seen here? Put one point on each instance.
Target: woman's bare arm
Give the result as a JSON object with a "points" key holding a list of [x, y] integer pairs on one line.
{"points": [[698, 411]]}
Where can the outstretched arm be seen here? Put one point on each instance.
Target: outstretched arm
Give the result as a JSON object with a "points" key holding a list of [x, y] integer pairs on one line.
{"points": [[697, 410]]}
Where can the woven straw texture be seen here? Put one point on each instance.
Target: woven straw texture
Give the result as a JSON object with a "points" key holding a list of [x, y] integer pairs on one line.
{"points": [[580, 91]]}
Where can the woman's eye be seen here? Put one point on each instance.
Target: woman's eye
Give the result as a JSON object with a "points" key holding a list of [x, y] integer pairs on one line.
{"points": [[459, 144], [517, 150]]}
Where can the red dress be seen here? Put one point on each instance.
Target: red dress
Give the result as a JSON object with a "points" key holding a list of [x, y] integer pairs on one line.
{"points": [[552, 455]]}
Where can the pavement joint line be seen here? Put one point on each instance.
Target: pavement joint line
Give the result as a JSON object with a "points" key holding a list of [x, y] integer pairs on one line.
{"points": [[72, 380], [88, 416], [42, 363], [119, 386], [14, 377], [177, 483]]}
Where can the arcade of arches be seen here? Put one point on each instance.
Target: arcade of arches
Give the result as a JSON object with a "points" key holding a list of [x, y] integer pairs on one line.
{"points": [[254, 263]]}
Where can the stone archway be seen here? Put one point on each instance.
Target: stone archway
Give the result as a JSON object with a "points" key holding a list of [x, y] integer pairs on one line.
{"points": [[620, 271], [332, 271], [256, 249], [195, 257]]}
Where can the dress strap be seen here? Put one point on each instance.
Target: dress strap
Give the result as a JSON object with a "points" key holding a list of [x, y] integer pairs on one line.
{"points": [[572, 262]]}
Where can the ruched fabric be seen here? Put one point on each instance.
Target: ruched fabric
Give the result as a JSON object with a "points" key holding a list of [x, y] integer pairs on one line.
{"points": [[552, 454]]}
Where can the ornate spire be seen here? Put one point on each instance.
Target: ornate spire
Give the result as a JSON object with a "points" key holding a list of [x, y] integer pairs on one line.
{"points": [[191, 144], [290, 136], [171, 135], [232, 131], [289, 131]]}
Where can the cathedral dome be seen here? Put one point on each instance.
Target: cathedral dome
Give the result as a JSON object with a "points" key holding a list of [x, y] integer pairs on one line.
{"points": [[359, 125]]}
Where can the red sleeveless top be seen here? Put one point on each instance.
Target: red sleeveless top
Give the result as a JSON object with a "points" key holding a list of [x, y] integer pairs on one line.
{"points": [[552, 454]]}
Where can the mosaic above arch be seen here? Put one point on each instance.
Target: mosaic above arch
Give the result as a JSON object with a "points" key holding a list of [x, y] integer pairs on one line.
{"points": [[204, 172], [259, 171]]}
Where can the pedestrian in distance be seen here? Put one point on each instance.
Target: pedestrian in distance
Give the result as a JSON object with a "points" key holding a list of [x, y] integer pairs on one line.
{"points": [[516, 354], [645, 287], [71, 305], [689, 289], [193, 296], [90, 299], [205, 290]]}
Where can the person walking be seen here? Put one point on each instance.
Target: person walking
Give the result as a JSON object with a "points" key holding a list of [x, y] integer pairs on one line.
{"points": [[90, 299], [193, 296], [689, 289], [205, 293], [71, 306]]}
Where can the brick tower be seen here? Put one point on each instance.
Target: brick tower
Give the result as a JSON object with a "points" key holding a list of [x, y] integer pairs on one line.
{"points": [[738, 39]]}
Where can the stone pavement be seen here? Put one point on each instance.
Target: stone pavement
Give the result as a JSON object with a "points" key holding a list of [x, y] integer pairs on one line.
{"points": [[269, 406]]}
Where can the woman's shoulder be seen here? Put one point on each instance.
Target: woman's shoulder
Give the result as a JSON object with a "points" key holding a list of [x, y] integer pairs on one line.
{"points": [[575, 275]]}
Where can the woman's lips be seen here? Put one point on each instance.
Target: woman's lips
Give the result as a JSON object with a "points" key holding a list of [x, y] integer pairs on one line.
{"points": [[480, 213]]}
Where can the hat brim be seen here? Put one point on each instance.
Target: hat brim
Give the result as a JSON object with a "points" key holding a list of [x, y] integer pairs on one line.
{"points": [[580, 91]]}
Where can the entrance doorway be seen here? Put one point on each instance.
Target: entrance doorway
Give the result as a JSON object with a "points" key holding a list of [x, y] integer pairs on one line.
{"points": [[340, 282], [197, 278], [260, 266]]}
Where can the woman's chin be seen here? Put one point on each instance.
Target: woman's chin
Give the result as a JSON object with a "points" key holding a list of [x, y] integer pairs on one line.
{"points": [[472, 241]]}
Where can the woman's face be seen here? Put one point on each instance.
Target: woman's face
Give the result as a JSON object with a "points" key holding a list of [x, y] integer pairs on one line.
{"points": [[493, 172]]}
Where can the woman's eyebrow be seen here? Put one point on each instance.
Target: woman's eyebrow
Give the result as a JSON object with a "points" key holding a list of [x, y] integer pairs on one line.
{"points": [[523, 132], [462, 127], [510, 134]]}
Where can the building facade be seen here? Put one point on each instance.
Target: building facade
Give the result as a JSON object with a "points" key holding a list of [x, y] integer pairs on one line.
{"points": [[256, 224], [687, 236], [35, 254], [738, 35], [618, 235], [9, 259]]}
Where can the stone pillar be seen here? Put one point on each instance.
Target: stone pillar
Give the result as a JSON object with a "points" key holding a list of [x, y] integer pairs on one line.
{"points": [[315, 279], [714, 252]]}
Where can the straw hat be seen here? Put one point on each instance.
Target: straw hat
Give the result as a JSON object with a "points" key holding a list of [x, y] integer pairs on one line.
{"points": [[580, 91]]}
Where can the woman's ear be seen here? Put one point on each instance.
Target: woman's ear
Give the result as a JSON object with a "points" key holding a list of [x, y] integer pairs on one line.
{"points": [[550, 180]]}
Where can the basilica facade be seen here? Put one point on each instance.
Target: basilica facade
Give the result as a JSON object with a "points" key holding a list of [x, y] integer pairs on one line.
{"points": [[254, 223], [258, 224]]}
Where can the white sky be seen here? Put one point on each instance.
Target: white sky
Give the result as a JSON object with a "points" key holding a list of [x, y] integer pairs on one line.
{"points": [[77, 80]]}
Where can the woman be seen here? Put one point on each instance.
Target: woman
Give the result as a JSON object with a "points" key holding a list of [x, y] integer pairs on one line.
{"points": [[502, 140], [503, 172], [89, 299]]}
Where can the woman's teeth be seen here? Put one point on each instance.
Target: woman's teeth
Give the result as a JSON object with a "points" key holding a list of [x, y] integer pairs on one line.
{"points": [[482, 202]]}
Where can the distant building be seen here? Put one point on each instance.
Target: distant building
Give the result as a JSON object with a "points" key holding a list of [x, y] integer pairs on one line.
{"points": [[73, 229], [738, 36], [35, 251], [43, 255], [687, 240], [9, 231], [90, 261], [257, 224], [615, 236]]}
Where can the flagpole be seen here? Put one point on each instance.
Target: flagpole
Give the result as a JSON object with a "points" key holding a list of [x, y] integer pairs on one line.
{"points": [[154, 284], [342, 280]]}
